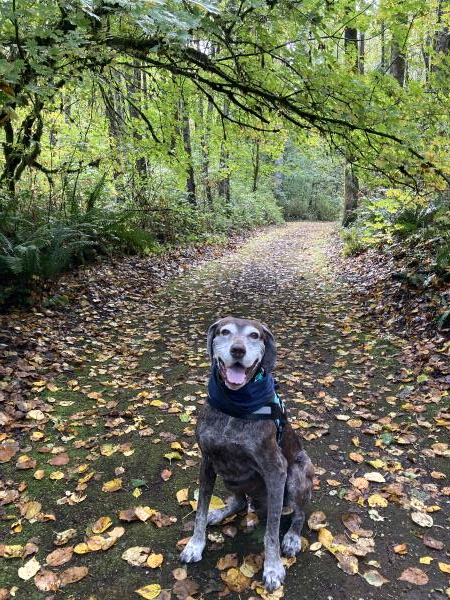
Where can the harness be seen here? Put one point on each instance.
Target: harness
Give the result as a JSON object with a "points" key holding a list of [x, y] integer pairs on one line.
{"points": [[256, 401]]}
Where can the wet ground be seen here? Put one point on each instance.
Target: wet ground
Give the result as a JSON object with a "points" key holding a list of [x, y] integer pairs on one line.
{"points": [[124, 408]]}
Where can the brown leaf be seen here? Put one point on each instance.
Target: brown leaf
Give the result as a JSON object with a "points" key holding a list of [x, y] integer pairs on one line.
{"points": [[59, 460], [179, 573], [432, 543], [166, 474], [73, 574], [184, 588], [47, 581], [59, 556], [227, 561], [236, 581], [317, 520], [414, 575], [7, 450]]}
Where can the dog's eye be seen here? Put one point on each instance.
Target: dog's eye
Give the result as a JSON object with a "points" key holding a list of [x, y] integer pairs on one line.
{"points": [[225, 332], [254, 335]]}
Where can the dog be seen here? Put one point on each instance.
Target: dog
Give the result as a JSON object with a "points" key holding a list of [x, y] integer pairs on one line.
{"points": [[258, 455]]}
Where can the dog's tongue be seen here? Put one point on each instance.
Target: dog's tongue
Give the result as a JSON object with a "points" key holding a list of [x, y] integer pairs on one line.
{"points": [[236, 374]]}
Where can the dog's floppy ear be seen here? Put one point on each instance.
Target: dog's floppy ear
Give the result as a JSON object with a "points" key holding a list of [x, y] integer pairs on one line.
{"points": [[270, 352], [211, 335]]}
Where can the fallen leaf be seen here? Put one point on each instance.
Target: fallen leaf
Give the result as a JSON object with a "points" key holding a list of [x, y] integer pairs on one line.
{"points": [[112, 486], [236, 581], [185, 589], [430, 542], [47, 581], [59, 556], [154, 560], [377, 500], [101, 525], [374, 578], [317, 520], [73, 574], [374, 476], [227, 561], [444, 567], [422, 519], [29, 569], [150, 591], [414, 575], [137, 555]]}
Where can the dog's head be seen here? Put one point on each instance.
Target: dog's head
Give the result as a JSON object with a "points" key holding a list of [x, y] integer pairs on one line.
{"points": [[240, 347]]}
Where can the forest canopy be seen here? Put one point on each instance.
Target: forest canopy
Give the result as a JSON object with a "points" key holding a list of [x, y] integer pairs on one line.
{"points": [[135, 123]]}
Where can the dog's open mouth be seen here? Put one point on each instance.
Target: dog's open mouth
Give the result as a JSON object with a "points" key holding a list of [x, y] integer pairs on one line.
{"points": [[235, 374]]}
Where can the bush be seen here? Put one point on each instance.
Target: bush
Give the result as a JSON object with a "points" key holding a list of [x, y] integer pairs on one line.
{"points": [[395, 215]]}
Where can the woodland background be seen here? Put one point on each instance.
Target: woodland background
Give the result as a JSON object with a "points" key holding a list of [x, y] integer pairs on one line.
{"points": [[131, 126]]}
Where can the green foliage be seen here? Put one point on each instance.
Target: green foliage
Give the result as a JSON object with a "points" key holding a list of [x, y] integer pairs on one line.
{"points": [[312, 185], [395, 216]]}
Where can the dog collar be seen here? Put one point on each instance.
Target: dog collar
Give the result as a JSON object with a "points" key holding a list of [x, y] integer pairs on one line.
{"points": [[256, 401]]}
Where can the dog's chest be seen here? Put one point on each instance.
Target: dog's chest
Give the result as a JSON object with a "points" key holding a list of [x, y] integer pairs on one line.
{"points": [[233, 445]]}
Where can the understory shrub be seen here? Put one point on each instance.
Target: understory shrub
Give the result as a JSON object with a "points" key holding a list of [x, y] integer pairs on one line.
{"points": [[395, 216]]}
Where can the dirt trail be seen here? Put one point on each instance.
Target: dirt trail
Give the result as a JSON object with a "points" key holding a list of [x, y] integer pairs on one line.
{"points": [[125, 408]]}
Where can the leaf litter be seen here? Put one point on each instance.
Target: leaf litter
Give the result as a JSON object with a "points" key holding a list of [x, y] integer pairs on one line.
{"points": [[98, 404]]}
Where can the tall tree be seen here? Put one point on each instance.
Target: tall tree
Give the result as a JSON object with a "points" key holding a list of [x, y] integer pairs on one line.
{"points": [[355, 63]]}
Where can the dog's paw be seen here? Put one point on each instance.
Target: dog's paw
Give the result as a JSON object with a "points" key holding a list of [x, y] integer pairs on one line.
{"points": [[193, 552], [273, 576], [291, 544], [215, 516]]}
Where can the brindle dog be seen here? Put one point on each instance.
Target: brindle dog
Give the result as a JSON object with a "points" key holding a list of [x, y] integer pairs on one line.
{"points": [[246, 454]]}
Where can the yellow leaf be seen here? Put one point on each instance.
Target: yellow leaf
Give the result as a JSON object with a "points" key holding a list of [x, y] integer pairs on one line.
{"points": [[56, 475], [137, 492], [113, 485], [377, 500], [52, 387], [150, 591], [425, 560], [377, 463], [154, 560], [39, 474], [325, 537], [101, 525], [81, 548], [182, 495], [216, 503], [444, 567], [401, 549]]}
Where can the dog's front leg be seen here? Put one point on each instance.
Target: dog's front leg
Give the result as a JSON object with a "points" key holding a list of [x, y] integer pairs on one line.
{"points": [[194, 549], [275, 478]]}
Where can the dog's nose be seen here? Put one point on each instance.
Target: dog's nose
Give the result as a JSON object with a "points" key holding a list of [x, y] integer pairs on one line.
{"points": [[237, 351]]}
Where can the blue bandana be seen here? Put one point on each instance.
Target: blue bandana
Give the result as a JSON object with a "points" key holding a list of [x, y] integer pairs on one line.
{"points": [[244, 401]]}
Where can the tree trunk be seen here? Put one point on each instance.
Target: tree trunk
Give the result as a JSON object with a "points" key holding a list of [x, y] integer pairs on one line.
{"points": [[383, 46], [351, 189], [398, 62], [441, 39], [134, 89], [362, 51], [278, 176], [255, 157], [224, 183], [204, 142], [355, 58], [186, 133]]}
